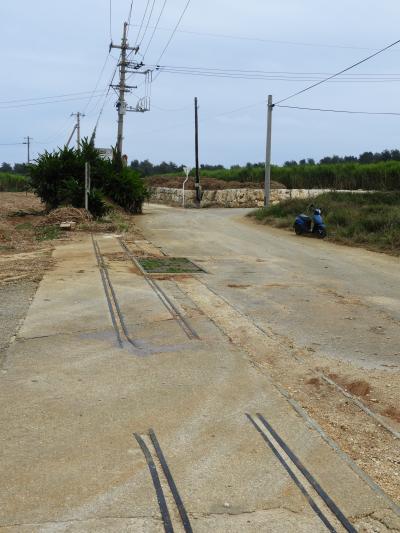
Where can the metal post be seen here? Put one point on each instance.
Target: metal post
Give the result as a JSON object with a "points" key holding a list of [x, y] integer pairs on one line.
{"points": [[267, 183], [187, 172], [196, 125], [87, 185]]}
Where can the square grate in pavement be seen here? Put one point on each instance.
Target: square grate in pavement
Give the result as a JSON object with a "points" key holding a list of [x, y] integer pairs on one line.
{"points": [[168, 265]]}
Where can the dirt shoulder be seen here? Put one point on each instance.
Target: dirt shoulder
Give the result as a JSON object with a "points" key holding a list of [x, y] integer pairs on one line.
{"points": [[209, 184], [27, 238]]}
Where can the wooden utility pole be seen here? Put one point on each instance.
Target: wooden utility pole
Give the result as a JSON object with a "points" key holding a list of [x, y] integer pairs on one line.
{"points": [[28, 143], [196, 140], [267, 183]]}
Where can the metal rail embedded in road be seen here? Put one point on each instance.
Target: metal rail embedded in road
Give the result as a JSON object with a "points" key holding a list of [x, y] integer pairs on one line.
{"points": [[267, 431], [174, 311], [151, 459], [117, 317]]}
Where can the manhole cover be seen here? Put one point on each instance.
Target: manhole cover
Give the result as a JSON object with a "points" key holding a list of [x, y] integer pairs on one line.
{"points": [[168, 265]]}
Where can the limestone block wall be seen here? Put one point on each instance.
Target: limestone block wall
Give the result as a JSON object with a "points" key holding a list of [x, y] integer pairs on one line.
{"points": [[231, 197]]}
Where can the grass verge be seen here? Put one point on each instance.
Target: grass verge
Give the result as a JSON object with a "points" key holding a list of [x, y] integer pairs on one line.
{"points": [[13, 182], [370, 220]]}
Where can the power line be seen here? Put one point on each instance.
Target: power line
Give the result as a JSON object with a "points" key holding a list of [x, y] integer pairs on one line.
{"points": [[340, 72], [105, 99], [155, 28], [111, 21], [208, 117], [249, 75], [273, 41], [11, 144], [347, 111], [148, 22], [45, 103], [174, 31], [130, 14], [270, 71], [42, 98], [141, 23], [97, 83]]}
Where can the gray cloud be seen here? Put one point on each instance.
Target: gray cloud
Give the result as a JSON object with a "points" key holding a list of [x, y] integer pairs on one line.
{"points": [[51, 48]]}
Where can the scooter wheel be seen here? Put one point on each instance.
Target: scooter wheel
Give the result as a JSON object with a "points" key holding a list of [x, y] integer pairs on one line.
{"points": [[322, 234], [298, 229]]}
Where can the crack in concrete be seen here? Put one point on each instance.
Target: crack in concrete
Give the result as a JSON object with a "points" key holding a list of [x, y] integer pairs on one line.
{"points": [[80, 520], [373, 516], [227, 513]]}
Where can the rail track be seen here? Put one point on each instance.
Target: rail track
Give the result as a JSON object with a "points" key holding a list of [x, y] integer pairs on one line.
{"points": [[172, 508], [302, 477], [117, 317], [168, 304]]}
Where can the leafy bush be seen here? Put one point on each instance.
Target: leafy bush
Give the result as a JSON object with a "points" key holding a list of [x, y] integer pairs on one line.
{"points": [[127, 189], [59, 179]]}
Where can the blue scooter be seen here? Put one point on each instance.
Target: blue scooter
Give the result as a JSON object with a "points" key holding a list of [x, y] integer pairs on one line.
{"points": [[313, 226]]}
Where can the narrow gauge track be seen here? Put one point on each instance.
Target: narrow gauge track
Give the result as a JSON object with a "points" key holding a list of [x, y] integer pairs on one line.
{"points": [[279, 448], [163, 473], [173, 310], [117, 317]]}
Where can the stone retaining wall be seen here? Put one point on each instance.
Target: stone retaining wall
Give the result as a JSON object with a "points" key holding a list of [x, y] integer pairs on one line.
{"points": [[230, 197]]}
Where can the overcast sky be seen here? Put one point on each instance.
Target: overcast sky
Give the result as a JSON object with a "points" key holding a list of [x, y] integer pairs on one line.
{"points": [[51, 48]]}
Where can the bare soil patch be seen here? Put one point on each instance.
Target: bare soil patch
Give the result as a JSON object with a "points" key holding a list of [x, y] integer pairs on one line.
{"points": [[208, 184], [14, 202]]}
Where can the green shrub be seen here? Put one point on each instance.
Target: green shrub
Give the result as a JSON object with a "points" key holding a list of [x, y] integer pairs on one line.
{"points": [[59, 179], [127, 189], [97, 205]]}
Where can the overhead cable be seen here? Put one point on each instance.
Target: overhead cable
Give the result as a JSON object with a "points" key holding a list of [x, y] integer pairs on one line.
{"points": [[340, 72], [148, 22], [155, 28], [347, 111], [272, 41], [141, 23], [174, 31], [97, 83], [45, 103]]}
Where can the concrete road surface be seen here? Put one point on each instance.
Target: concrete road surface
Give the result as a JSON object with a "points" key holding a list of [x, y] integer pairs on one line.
{"points": [[105, 356]]}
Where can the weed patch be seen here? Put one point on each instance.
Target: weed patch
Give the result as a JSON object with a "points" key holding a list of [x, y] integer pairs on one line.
{"points": [[371, 220]]}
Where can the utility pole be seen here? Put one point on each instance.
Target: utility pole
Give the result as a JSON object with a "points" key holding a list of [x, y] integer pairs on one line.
{"points": [[28, 143], [122, 87], [87, 185], [267, 183], [196, 141], [78, 116]]}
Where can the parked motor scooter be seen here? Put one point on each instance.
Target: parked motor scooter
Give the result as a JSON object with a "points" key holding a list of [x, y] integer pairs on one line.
{"points": [[313, 226]]}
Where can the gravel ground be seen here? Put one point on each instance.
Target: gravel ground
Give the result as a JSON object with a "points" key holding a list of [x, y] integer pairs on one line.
{"points": [[14, 305]]}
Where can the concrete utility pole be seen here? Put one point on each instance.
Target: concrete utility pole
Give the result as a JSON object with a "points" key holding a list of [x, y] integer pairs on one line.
{"points": [[28, 143], [267, 183], [78, 116], [196, 137], [122, 87], [87, 185]]}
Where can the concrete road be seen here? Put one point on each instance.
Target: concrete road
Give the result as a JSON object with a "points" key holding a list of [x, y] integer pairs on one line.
{"points": [[101, 359], [292, 284]]}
